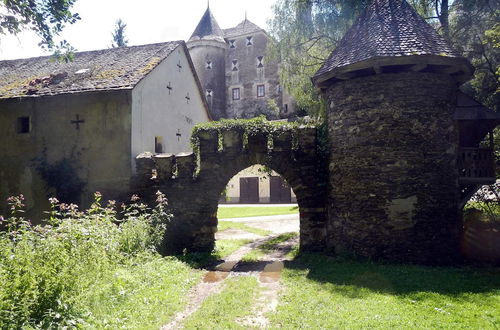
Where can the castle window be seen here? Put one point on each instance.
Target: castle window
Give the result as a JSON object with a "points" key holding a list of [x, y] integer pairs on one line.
{"points": [[234, 65], [158, 144], [249, 41], [286, 108], [209, 93], [23, 125], [236, 93], [261, 91], [260, 61], [232, 43], [208, 65]]}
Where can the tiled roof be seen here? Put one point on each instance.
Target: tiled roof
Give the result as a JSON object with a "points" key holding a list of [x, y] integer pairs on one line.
{"points": [[387, 28], [244, 27], [107, 69], [207, 29]]}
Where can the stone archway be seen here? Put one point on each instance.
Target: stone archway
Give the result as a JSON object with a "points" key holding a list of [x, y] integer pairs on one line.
{"points": [[193, 185]]}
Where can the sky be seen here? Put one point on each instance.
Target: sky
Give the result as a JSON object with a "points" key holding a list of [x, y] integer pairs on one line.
{"points": [[148, 21]]}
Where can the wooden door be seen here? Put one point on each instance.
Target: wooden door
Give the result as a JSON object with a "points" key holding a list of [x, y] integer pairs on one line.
{"points": [[249, 190], [279, 190]]}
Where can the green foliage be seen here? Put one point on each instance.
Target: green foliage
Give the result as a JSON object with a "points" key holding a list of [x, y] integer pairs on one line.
{"points": [[51, 275], [119, 39], [487, 201], [325, 293], [46, 18], [252, 126]]}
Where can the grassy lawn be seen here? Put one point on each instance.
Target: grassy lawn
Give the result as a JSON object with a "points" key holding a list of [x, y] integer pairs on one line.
{"points": [[322, 292], [223, 225], [222, 310], [269, 246], [140, 295], [254, 211]]}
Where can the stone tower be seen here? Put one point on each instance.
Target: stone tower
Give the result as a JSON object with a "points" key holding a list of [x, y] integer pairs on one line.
{"points": [[391, 88], [208, 51]]}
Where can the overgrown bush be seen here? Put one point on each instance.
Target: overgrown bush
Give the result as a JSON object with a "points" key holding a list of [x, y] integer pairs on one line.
{"points": [[486, 200], [46, 271]]}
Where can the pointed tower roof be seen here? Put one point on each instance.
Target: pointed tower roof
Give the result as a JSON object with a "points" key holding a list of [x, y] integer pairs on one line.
{"points": [[207, 29], [390, 34]]}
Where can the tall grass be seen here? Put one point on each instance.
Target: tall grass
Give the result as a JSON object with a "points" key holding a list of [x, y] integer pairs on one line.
{"points": [[49, 274]]}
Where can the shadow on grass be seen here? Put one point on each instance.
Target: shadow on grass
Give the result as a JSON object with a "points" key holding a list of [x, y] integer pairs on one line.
{"points": [[351, 277]]}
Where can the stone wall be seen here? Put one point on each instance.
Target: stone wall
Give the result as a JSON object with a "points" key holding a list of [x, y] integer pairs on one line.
{"points": [[193, 186], [393, 176]]}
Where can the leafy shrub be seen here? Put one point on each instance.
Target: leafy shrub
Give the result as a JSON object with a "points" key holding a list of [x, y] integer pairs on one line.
{"points": [[45, 270], [486, 200]]}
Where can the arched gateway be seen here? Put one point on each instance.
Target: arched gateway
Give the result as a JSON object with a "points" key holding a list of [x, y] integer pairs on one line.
{"points": [[193, 186]]}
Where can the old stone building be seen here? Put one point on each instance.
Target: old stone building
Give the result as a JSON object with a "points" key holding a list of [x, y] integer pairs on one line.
{"points": [[239, 79], [75, 128]]}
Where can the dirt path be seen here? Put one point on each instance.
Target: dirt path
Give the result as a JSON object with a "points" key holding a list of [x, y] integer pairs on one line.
{"points": [[267, 271]]}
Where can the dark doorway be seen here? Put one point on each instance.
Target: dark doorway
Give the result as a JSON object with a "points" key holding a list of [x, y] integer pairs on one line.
{"points": [[249, 190], [280, 190]]}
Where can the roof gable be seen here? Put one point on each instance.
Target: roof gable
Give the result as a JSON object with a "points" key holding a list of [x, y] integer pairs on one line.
{"points": [[245, 27], [107, 69]]}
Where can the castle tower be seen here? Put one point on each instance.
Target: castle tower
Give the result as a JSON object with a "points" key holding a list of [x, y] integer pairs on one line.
{"points": [[391, 88], [208, 50]]}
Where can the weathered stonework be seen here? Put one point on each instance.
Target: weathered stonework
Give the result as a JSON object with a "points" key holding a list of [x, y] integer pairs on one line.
{"points": [[393, 174], [193, 188]]}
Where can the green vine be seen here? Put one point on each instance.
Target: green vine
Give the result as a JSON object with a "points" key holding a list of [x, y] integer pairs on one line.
{"points": [[254, 126]]}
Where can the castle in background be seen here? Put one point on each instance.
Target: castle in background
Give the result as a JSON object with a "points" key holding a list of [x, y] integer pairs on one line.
{"points": [[238, 78]]}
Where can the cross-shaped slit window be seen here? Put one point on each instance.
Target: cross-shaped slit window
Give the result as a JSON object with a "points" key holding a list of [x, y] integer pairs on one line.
{"points": [[209, 93], [232, 43], [234, 65], [208, 65], [249, 41]]}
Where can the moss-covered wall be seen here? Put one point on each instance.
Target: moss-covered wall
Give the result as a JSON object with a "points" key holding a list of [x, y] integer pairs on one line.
{"points": [[99, 150]]}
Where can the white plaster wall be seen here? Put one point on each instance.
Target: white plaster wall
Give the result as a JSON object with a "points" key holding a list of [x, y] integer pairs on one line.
{"points": [[156, 112]]}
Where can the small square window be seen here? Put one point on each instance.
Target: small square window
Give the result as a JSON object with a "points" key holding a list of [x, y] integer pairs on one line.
{"points": [[249, 41], [261, 91], [158, 144], [209, 93], [208, 65], [23, 125], [236, 93], [232, 43]]}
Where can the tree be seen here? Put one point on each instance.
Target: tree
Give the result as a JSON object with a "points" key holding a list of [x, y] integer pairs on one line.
{"points": [[306, 32], [46, 17], [119, 34]]}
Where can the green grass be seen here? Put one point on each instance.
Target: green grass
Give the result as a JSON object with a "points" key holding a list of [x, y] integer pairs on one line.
{"points": [[223, 225], [142, 295], [221, 310], [267, 247], [322, 292], [254, 211]]}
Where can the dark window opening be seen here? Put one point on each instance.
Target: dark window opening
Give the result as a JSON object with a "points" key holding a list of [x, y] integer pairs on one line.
{"points": [[208, 65], [261, 90], [23, 125], [232, 43], [286, 108], [158, 144], [234, 65], [209, 93], [249, 41], [260, 61], [236, 93]]}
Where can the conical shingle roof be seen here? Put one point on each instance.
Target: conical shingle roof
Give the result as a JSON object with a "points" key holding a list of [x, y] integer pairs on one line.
{"points": [[245, 27], [207, 29], [389, 29]]}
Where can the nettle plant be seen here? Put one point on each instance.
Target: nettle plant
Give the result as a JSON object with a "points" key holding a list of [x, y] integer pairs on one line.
{"points": [[45, 268]]}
